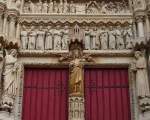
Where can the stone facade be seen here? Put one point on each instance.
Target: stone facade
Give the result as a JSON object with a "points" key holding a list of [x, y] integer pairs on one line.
{"points": [[42, 34]]}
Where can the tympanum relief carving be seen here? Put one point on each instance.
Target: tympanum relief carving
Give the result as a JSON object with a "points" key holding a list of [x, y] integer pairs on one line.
{"points": [[71, 7], [95, 38]]}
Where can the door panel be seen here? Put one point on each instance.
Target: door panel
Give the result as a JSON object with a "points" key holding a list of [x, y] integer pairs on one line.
{"points": [[45, 94], [107, 94]]}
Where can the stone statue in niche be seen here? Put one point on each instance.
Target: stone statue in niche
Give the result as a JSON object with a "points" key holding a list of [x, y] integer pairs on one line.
{"points": [[60, 7], [11, 82], [87, 38], [32, 7], [66, 7], [50, 10], [65, 38], [112, 38], [57, 38], [143, 93], [24, 38], [103, 38], [128, 35], [32, 38], [39, 7], [49, 38], [55, 7], [12, 4], [119, 38], [93, 39], [45, 7], [72, 7], [18, 4], [40, 38]]}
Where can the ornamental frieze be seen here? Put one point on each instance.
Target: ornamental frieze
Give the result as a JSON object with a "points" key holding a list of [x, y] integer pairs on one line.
{"points": [[34, 18]]}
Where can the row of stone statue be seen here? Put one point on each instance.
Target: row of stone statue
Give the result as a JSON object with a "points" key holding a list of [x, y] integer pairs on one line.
{"points": [[94, 39], [91, 7], [109, 38], [48, 39]]}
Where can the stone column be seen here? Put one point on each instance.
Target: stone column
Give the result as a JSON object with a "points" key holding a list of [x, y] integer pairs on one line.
{"points": [[12, 28], [1, 23], [147, 25], [18, 33], [5, 24], [140, 26]]}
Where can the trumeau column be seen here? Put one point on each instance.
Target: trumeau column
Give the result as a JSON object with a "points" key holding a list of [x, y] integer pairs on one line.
{"points": [[76, 60]]}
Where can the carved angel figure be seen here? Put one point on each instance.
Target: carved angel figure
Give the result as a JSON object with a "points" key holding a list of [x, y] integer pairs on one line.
{"points": [[10, 84]]}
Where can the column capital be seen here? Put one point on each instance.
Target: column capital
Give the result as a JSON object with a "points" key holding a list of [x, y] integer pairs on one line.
{"points": [[140, 18]]}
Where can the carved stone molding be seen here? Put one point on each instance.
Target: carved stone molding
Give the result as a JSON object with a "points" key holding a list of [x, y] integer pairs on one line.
{"points": [[12, 13], [2, 7], [101, 19]]}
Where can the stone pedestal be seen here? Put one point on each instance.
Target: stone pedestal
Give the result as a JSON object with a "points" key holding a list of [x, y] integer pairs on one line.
{"points": [[145, 116], [6, 115], [76, 108]]}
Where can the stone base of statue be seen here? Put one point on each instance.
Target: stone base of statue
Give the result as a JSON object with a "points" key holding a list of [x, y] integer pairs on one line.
{"points": [[6, 115], [76, 108], [145, 116]]}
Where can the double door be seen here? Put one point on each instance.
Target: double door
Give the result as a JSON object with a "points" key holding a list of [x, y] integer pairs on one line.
{"points": [[46, 94]]}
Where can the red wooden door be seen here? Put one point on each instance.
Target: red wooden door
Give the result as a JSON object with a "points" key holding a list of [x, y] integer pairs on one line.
{"points": [[45, 94], [107, 94]]}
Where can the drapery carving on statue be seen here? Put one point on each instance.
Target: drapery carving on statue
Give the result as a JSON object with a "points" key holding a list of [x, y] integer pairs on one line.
{"points": [[10, 82], [143, 92]]}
